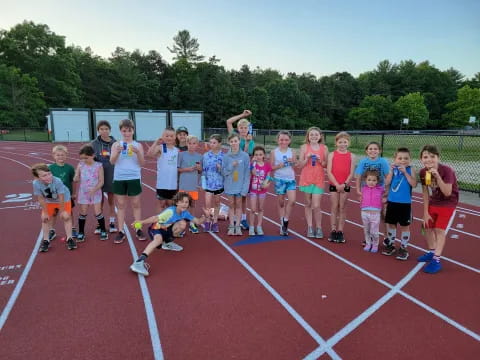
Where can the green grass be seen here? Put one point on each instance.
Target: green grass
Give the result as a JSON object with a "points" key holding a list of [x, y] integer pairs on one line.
{"points": [[26, 135]]}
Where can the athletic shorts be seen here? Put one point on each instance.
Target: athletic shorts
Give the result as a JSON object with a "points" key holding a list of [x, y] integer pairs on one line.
{"points": [[282, 186], [311, 189], [398, 213], [164, 194], [193, 194], [167, 234], [127, 187], [54, 208], [215, 192], [441, 217], [333, 188]]}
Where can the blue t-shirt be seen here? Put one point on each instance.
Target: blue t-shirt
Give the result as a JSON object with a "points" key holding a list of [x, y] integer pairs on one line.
{"points": [[51, 191], [400, 190], [379, 164], [170, 216]]}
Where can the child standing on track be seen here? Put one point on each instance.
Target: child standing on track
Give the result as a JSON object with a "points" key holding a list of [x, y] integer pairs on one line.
{"points": [[90, 175], [244, 131], [340, 168], [440, 198], [235, 169], [260, 175], [167, 167], [66, 173], [189, 166], [127, 156], [212, 180], [371, 205], [170, 223], [181, 138], [400, 181], [283, 159], [313, 160], [103, 150], [53, 197]]}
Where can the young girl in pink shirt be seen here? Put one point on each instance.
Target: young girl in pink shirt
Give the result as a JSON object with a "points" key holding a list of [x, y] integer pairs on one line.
{"points": [[371, 205]]}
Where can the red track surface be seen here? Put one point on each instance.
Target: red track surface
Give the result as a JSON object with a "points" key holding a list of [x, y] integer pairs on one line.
{"points": [[215, 300]]}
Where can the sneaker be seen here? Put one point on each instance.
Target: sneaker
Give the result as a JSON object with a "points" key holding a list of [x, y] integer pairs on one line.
{"points": [[112, 228], [119, 238], [74, 232], [207, 226], [52, 235], [374, 249], [238, 230], [427, 257], [244, 224], [386, 242], [71, 244], [402, 254], [139, 267], [251, 231], [333, 236], [80, 237], [97, 230], [259, 230], [433, 267], [103, 235], [194, 229], [214, 228], [319, 233], [44, 246], [171, 246], [231, 230], [140, 235], [310, 232], [284, 228], [340, 238], [390, 250], [364, 243], [367, 247]]}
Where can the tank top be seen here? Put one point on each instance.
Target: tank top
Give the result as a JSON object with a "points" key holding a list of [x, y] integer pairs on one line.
{"points": [[284, 173], [341, 165], [127, 166], [167, 172], [313, 175]]}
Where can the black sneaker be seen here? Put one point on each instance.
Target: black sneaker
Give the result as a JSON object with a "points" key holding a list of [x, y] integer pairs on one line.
{"points": [[340, 238], [74, 232], [333, 236], [80, 237], [119, 238], [140, 235], [112, 228], [98, 230], [44, 246], [103, 235], [52, 235], [71, 244], [285, 228], [389, 250], [402, 254]]}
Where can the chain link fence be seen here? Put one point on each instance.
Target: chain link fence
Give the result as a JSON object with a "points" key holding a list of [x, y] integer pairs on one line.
{"points": [[25, 134]]}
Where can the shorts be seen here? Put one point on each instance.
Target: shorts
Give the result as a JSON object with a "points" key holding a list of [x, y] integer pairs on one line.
{"points": [[215, 192], [127, 187], [398, 213], [193, 194], [259, 195], [167, 234], [311, 189], [441, 217], [164, 194], [333, 188], [282, 186], [234, 195], [54, 208]]}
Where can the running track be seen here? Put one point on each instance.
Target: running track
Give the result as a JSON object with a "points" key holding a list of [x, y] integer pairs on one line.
{"points": [[289, 298]]}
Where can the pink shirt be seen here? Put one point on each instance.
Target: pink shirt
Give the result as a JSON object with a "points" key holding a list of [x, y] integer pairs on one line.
{"points": [[372, 198], [256, 180]]}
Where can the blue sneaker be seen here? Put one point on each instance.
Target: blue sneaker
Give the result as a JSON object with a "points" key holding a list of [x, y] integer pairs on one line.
{"points": [[244, 224], [427, 257], [432, 267], [194, 229]]}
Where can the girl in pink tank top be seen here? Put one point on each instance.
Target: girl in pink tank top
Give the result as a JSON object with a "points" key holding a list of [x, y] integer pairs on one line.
{"points": [[313, 159]]}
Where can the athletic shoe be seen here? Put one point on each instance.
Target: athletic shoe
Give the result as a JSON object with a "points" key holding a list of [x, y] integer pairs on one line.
{"points": [[103, 235], [238, 231], [214, 228], [310, 232], [284, 228], [374, 249], [340, 238], [80, 237], [259, 230], [367, 247], [112, 228], [427, 257], [231, 230], [251, 231], [172, 246], [97, 230], [386, 242], [119, 238], [194, 229], [402, 254], [364, 243], [244, 224], [139, 267], [71, 244], [207, 226], [432, 267], [319, 233], [140, 235], [390, 250], [52, 235], [44, 246], [333, 236]]}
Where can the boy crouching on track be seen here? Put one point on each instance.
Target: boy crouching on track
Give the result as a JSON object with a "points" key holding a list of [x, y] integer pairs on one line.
{"points": [[170, 223], [53, 196]]}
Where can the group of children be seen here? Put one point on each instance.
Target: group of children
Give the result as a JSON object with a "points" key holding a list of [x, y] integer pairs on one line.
{"points": [[244, 172]]}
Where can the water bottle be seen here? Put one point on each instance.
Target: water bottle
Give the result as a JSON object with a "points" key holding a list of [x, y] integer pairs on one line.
{"points": [[124, 148], [250, 129], [130, 150], [395, 171], [164, 148], [285, 161], [314, 160], [204, 182]]}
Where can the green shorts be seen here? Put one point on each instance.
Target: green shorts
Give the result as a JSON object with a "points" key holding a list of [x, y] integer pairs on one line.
{"points": [[127, 187], [311, 189]]}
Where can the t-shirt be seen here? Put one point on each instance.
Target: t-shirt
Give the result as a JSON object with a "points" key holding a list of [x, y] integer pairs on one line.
{"points": [[170, 216], [213, 176], [127, 166], [188, 180], [167, 173], [257, 180], [51, 191], [66, 173], [379, 164], [400, 190], [251, 144], [436, 196]]}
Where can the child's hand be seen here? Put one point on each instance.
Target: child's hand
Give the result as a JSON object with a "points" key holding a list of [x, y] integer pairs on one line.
{"points": [[219, 166], [435, 172], [340, 188], [206, 212], [384, 199], [249, 137], [73, 197], [45, 217], [359, 196], [117, 147], [92, 192], [427, 219], [134, 149], [246, 113], [402, 169]]}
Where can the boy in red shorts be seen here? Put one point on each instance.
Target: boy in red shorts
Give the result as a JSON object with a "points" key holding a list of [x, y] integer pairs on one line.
{"points": [[440, 198]]}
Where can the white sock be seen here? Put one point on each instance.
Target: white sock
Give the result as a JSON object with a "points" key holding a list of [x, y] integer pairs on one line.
{"points": [[112, 219], [244, 217]]}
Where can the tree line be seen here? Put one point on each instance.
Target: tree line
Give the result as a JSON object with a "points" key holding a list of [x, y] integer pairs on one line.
{"points": [[39, 71]]}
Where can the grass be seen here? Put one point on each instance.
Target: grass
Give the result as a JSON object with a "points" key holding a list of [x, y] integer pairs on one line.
{"points": [[26, 135]]}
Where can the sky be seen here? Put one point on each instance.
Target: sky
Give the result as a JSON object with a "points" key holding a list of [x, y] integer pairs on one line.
{"points": [[304, 36]]}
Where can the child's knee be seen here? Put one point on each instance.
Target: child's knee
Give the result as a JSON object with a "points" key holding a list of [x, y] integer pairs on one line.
{"points": [[179, 227], [65, 216]]}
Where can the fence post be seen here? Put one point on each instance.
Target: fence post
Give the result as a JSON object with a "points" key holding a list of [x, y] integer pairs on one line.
{"points": [[460, 142], [25, 134], [382, 142]]}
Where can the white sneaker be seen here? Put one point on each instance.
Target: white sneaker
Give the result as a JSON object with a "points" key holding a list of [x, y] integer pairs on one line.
{"points": [[251, 231], [139, 267], [238, 230], [231, 230], [259, 230], [171, 246]]}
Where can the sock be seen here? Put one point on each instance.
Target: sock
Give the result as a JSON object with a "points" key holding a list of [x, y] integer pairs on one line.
{"points": [[436, 258], [244, 217], [285, 223], [81, 223], [101, 221], [405, 238], [285, 219], [391, 234], [142, 257], [112, 219]]}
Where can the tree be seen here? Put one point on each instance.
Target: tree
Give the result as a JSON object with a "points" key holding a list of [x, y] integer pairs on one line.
{"points": [[374, 113], [412, 106], [185, 47], [466, 105]]}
